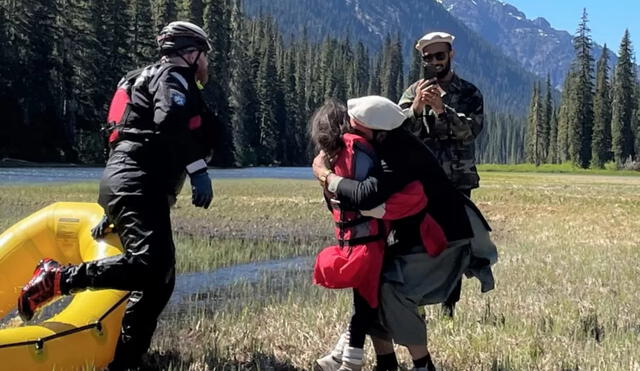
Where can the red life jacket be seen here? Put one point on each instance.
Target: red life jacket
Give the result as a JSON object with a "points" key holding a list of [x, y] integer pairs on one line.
{"points": [[117, 125], [120, 105], [357, 259]]}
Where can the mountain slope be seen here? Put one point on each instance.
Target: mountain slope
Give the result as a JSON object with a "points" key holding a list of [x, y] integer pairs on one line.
{"points": [[504, 83], [536, 45]]}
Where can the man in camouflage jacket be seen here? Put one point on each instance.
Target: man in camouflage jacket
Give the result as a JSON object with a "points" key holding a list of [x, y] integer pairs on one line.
{"points": [[446, 112]]}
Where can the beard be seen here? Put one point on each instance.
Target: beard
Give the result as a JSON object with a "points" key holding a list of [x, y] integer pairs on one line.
{"points": [[444, 71], [202, 76]]}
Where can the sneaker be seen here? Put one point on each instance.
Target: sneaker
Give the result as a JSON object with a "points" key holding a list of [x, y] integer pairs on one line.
{"points": [[348, 366], [43, 287], [327, 363]]}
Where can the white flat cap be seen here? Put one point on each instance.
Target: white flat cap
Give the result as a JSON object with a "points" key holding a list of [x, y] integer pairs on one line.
{"points": [[434, 37], [376, 112]]}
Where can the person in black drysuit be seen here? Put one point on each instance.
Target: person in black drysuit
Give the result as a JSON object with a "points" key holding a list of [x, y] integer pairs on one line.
{"points": [[164, 131]]}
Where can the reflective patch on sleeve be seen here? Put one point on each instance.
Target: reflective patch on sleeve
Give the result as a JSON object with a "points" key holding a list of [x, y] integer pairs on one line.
{"points": [[177, 97], [181, 79]]}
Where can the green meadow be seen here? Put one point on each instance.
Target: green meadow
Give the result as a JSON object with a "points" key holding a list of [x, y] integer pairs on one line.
{"points": [[566, 283]]}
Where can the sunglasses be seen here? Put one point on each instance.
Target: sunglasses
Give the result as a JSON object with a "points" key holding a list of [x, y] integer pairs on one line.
{"points": [[439, 56]]}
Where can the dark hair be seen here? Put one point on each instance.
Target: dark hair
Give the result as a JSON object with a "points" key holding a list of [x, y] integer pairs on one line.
{"points": [[327, 125]]}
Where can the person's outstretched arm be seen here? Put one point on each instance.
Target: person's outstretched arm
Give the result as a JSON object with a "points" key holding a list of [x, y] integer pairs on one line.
{"points": [[368, 193]]}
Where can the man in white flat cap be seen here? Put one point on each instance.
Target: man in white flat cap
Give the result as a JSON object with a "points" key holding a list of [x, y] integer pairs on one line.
{"points": [[446, 113]]}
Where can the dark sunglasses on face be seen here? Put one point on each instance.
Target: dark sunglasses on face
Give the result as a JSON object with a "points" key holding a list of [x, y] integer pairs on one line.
{"points": [[439, 56]]}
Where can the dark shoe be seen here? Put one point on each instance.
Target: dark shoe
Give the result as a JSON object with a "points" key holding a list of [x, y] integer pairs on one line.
{"points": [[448, 310], [43, 287], [428, 367], [378, 368]]}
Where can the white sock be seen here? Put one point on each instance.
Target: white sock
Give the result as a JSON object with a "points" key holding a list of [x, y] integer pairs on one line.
{"points": [[339, 348], [353, 355]]}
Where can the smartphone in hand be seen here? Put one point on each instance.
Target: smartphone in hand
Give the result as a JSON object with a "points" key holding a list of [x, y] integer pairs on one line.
{"points": [[429, 71]]}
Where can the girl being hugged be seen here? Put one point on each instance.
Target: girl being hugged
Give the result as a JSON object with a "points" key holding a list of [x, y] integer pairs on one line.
{"points": [[356, 261]]}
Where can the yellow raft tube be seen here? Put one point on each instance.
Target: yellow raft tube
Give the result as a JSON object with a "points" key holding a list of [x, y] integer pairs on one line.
{"points": [[84, 335]]}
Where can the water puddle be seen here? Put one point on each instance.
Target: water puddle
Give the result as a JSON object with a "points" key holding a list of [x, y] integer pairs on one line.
{"points": [[198, 286], [189, 284]]}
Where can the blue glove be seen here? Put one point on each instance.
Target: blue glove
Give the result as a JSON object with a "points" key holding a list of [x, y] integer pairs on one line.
{"points": [[201, 189]]}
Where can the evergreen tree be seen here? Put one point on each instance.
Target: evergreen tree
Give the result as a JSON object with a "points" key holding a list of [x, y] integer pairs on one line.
{"points": [[217, 24], [6, 80], [552, 157], [390, 69], [115, 31], [501, 140], [63, 59], [242, 101], [374, 78], [415, 68], [40, 64], [301, 79], [293, 140], [339, 75], [581, 126], [362, 63], [636, 125], [279, 91], [82, 98], [183, 10], [532, 139], [545, 124], [400, 82], [142, 46], [267, 82], [565, 117], [326, 78], [315, 90], [4, 47], [197, 11], [189, 10], [165, 11], [601, 144], [623, 103]]}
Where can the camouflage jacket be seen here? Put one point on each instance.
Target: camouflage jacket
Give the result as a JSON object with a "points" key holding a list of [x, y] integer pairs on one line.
{"points": [[451, 135]]}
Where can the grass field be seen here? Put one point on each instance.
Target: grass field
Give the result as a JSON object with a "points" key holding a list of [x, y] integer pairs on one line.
{"points": [[567, 281], [610, 168]]}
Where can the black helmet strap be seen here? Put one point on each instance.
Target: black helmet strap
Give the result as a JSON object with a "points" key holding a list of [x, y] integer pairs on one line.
{"points": [[194, 65]]}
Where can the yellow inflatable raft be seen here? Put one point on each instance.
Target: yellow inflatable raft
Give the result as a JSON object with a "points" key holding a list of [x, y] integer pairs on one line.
{"points": [[85, 333]]}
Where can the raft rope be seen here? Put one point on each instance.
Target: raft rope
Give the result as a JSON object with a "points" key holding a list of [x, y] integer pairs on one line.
{"points": [[39, 343]]}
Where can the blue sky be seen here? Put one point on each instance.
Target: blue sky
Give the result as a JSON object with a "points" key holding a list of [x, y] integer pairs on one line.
{"points": [[607, 18]]}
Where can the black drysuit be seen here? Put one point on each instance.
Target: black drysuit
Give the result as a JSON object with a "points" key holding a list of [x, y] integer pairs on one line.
{"points": [[166, 130]]}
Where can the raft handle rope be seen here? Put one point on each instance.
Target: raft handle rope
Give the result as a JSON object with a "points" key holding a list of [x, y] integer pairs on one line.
{"points": [[39, 343]]}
